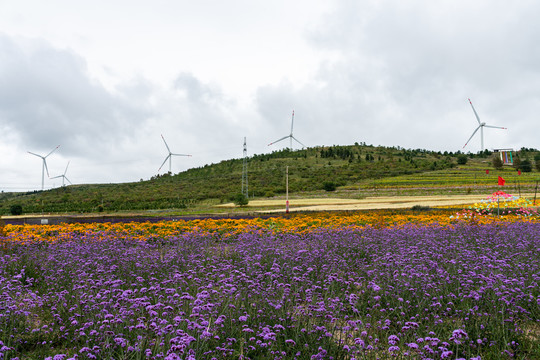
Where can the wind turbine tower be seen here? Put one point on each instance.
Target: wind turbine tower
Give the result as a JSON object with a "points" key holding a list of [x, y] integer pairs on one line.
{"points": [[63, 176], [481, 126], [44, 166], [245, 172], [290, 136], [171, 154]]}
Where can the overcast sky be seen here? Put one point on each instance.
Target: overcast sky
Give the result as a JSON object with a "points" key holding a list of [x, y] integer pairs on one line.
{"points": [[104, 79]]}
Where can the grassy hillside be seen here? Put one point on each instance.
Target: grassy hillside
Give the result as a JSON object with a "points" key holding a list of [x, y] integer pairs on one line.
{"points": [[356, 171]]}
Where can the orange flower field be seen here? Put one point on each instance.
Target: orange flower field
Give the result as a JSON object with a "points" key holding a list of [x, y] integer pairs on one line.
{"points": [[222, 228]]}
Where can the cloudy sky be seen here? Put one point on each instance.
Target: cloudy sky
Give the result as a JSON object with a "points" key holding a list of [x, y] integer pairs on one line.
{"points": [[104, 79]]}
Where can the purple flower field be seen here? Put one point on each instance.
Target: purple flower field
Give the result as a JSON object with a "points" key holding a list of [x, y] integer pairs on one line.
{"points": [[463, 292]]}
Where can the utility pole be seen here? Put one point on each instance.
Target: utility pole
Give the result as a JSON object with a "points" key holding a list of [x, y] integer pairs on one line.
{"points": [[245, 172]]}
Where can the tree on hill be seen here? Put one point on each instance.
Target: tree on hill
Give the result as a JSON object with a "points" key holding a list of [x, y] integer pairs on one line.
{"points": [[16, 209], [537, 161], [241, 200], [329, 186], [462, 159], [526, 165], [497, 162]]}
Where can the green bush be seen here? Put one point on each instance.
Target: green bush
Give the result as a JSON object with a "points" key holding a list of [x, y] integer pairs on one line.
{"points": [[329, 186], [526, 165], [16, 209], [462, 159], [241, 200], [497, 162], [421, 208]]}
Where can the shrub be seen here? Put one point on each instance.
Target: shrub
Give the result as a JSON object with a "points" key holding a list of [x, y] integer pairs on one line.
{"points": [[462, 159], [16, 209], [329, 186], [526, 165], [421, 208], [241, 200], [497, 162]]}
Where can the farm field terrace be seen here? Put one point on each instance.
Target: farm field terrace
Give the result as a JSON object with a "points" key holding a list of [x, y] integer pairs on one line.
{"points": [[320, 286]]}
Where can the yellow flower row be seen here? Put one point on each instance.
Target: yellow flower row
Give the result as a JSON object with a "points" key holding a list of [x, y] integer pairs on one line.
{"points": [[223, 228]]}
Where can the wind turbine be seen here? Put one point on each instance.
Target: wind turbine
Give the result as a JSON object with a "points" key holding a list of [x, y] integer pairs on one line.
{"points": [[44, 166], [481, 126], [169, 156], [290, 136], [63, 176]]}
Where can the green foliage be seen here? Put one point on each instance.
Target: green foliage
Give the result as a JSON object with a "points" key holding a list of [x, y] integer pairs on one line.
{"points": [[526, 165], [329, 186], [537, 161], [421, 208], [462, 159], [16, 209], [497, 162], [241, 199]]}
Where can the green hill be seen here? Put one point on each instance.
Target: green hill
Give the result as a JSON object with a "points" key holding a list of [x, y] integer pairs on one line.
{"points": [[355, 170]]}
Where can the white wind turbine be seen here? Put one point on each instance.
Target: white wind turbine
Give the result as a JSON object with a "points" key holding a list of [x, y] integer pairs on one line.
{"points": [[169, 156], [44, 166], [290, 136], [481, 126], [63, 176]]}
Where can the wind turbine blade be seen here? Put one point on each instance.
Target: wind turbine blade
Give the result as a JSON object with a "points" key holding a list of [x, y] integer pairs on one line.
{"points": [[475, 114], [164, 161], [46, 168], [495, 127], [68, 180], [53, 150], [283, 138], [295, 139], [180, 154], [35, 154], [169, 150], [55, 177], [292, 122], [65, 171], [472, 136]]}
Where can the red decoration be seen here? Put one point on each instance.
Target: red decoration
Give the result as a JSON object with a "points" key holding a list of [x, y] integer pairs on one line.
{"points": [[501, 181]]}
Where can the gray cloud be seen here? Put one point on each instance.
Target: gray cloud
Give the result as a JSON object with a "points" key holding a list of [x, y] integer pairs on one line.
{"points": [[47, 97], [390, 73], [402, 73]]}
